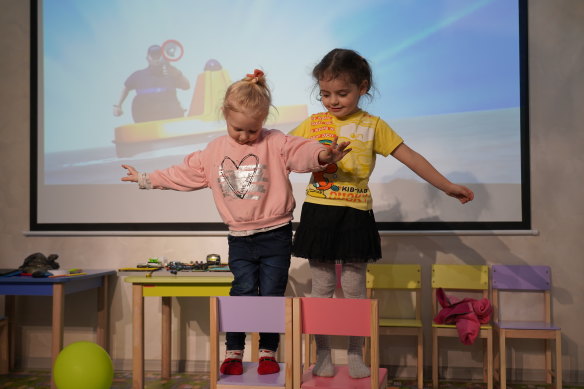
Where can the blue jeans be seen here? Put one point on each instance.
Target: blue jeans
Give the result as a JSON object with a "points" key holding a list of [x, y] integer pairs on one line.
{"points": [[259, 264]]}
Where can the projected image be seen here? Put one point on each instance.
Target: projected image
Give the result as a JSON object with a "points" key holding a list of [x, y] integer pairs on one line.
{"points": [[141, 83], [156, 86], [156, 103]]}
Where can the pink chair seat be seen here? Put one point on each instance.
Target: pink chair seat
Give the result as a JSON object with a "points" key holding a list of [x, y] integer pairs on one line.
{"points": [[341, 380]]}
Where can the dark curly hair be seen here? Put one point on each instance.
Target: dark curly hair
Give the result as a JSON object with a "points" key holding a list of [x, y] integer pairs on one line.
{"points": [[344, 63]]}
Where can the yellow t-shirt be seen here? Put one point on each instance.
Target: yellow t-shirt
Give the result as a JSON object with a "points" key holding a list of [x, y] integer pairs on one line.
{"points": [[346, 182]]}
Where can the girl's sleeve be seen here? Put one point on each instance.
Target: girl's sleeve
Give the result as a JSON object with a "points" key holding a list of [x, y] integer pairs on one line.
{"points": [[386, 139], [188, 176], [301, 155]]}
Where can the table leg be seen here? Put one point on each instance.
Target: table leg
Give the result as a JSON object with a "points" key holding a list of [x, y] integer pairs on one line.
{"points": [[166, 336], [137, 337], [4, 349], [58, 322], [103, 315], [10, 309]]}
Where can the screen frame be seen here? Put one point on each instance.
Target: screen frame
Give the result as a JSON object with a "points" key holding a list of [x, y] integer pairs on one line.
{"points": [[387, 227]]}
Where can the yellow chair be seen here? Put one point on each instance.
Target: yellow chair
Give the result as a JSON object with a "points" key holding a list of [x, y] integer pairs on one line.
{"points": [[465, 279], [515, 283], [406, 281], [4, 351]]}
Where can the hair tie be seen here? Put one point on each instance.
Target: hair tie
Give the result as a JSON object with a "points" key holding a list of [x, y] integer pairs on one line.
{"points": [[256, 75]]}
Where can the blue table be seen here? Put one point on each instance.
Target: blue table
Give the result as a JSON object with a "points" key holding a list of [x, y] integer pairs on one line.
{"points": [[58, 287]]}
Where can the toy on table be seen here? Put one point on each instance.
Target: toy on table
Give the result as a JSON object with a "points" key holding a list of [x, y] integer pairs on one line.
{"points": [[39, 265], [212, 263]]}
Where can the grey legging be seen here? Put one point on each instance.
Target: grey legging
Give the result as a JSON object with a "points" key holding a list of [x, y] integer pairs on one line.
{"points": [[324, 279]]}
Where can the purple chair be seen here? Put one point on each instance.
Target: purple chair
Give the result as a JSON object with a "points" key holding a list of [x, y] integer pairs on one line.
{"points": [[509, 284], [251, 314]]}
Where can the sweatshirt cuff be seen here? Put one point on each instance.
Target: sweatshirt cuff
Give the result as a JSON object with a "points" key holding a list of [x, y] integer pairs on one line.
{"points": [[144, 181]]}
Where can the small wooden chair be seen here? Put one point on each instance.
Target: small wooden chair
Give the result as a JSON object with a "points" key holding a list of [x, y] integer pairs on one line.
{"points": [[251, 314], [336, 316], [4, 349], [465, 279], [407, 281], [513, 282]]}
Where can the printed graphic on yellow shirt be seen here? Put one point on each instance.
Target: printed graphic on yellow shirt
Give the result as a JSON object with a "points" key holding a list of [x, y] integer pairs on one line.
{"points": [[346, 182], [335, 182]]}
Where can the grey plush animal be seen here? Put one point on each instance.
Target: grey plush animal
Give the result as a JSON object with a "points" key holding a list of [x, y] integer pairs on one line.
{"points": [[38, 263]]}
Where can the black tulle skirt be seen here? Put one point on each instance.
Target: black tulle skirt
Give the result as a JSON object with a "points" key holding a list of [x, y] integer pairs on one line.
{"points": [[336, 234]]}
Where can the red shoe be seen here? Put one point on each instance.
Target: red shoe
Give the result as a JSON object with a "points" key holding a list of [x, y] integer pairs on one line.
{"points": [[231, 366], [268, 365]]}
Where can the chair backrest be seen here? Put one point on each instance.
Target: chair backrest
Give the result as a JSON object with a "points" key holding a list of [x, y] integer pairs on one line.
{"points": [[394, 276], [459, 277], [397, 279], [462, 277], [337, 316], [251, 314], [522, 278]]}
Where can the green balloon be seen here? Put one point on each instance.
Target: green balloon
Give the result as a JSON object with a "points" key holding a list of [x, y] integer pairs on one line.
{"points": [[83, 365]]}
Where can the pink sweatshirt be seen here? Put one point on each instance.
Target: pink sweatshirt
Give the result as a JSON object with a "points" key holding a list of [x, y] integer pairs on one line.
{"points": [[250, 183]]}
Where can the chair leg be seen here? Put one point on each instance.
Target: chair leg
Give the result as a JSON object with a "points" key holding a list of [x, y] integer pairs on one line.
{"points": [[309, 350], [548, 362], [255, 346], [366, 353], [434, 359], [4, 349], [496, 357], [420, 360], [489, 360], [502, 361], [558, 360]]}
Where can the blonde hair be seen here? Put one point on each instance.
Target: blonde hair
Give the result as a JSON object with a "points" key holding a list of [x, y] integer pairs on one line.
{"points": [[249, 95]]}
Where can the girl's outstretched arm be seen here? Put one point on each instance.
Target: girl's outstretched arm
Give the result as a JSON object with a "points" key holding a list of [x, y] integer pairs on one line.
{"points": [[132, 174], [420, 165]]}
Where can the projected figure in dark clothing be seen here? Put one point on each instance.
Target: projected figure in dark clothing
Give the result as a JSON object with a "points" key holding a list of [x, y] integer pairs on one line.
{"points": [[155, 88]]}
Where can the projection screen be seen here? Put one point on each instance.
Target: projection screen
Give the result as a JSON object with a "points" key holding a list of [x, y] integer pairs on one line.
{"points": [[450, 77]]}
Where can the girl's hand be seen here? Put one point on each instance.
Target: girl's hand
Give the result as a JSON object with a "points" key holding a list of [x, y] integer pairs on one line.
{"points": [[334, 153], [462, 193], [117, 111], [132, 174]]}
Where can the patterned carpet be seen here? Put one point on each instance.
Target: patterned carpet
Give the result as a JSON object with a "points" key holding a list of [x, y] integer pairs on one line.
{"points": [[123, 380]]}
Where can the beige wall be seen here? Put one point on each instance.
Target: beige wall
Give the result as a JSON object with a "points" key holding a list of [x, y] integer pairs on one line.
{"points": [[556, 57]]}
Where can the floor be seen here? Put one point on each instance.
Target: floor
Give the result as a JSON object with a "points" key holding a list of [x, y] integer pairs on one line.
{"points": [[123, 380]]}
